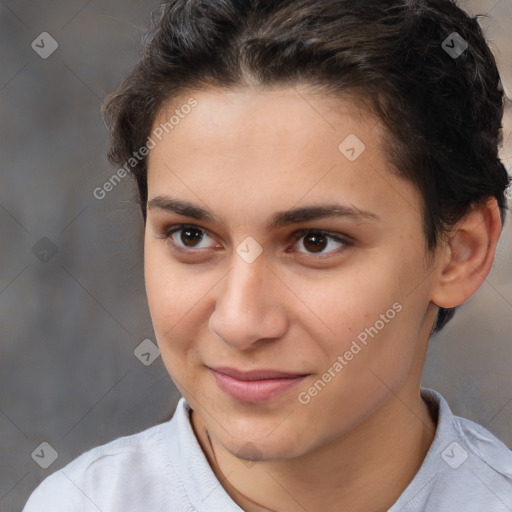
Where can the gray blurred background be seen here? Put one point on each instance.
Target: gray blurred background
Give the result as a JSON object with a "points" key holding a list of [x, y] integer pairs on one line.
{"points": [[72, 301]]}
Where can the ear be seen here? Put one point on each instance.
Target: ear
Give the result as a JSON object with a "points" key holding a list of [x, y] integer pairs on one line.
{"points": [[465, 258]]}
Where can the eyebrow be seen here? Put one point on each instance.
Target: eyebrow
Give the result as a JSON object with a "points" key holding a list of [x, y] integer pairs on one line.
{"points": [[279, 219]]}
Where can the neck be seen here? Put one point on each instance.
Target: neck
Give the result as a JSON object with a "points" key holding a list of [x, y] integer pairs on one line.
{"points": [[366, 469]]}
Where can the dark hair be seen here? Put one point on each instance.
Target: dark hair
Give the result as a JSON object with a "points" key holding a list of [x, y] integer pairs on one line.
{"points": [[443, 111]]}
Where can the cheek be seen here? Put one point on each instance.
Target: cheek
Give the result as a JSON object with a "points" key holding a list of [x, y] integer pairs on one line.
{"points": [[373, 321], [353, 301], [176, 299], [174, 295]]}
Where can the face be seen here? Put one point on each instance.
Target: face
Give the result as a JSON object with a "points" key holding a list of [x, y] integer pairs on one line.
{"points": [[283, 331]]}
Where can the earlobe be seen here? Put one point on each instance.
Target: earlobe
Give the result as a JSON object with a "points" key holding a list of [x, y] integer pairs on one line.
{"points": [[466, 256]]}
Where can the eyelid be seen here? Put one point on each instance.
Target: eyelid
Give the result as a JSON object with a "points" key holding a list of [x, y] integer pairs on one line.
{"points": [[339, 237], [346, 240]]}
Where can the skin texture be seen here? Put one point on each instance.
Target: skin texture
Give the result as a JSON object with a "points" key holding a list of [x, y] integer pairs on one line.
{"points": [[245, 154]]}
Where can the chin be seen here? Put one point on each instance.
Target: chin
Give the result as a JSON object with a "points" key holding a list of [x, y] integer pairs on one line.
{"points": [[260, 448]]}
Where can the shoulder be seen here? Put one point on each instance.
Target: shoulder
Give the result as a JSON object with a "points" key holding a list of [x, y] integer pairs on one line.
{"points": [[467, 468], [484, 460], [129, 473]]}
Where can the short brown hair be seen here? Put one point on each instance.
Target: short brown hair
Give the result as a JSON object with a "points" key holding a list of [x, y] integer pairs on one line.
{"points": [[443, 112]]}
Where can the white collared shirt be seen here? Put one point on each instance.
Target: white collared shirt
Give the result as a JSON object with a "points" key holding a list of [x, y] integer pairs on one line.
{"points": [[163, 469]]}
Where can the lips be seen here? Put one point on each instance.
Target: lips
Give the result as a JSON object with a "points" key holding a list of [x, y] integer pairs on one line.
{"points": [[256, 374], [255, 386]]}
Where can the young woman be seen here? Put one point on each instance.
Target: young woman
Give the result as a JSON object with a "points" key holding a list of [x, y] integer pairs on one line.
{"points": [[321, 188]]}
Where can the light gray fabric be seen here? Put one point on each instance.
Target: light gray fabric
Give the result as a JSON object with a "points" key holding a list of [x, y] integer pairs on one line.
{"points": [[448, 481], [163, 468]]}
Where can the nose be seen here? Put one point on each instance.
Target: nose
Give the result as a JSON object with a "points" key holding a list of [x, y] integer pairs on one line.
{"points": [[249, 306]]}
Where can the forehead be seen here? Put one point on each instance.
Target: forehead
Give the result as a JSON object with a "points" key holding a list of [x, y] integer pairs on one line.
{"points": [[283, 146], [279, 116]]}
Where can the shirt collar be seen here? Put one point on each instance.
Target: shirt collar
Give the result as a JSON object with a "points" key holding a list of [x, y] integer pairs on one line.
{"points": [[206, 493]]}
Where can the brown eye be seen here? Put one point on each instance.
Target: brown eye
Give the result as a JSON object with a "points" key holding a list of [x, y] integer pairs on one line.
{"points": [[184, 237], [190, 236], [315, 242]]}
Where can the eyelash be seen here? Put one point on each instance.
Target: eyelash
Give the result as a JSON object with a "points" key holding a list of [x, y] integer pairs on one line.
{"points": [[297, 235]]}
